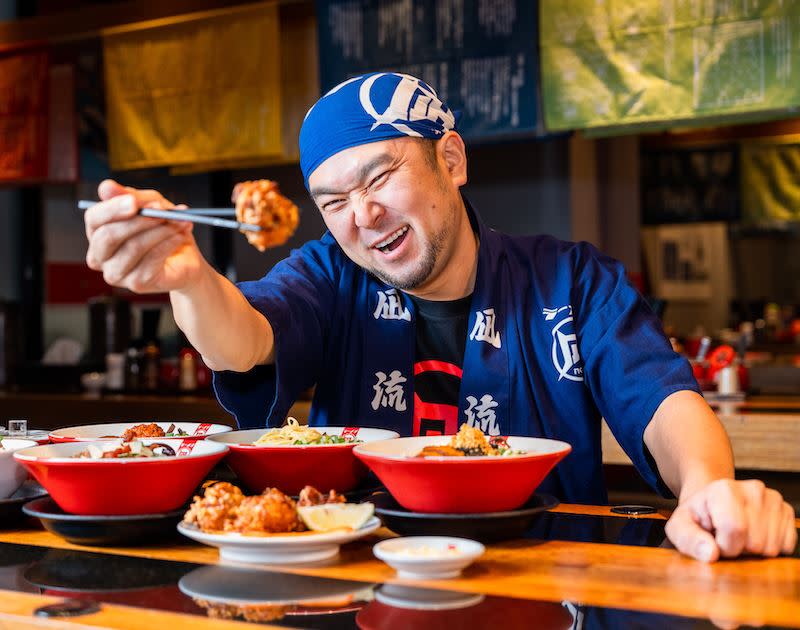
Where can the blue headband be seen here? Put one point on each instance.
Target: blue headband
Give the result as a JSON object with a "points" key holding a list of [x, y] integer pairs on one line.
{"points": [[370, 108]]}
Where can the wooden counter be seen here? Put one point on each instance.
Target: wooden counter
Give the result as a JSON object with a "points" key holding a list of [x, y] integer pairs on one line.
{"points": [[760, 441], [752, 591]]}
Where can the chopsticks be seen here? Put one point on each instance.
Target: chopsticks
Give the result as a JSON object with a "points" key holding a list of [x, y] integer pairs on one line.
{"points": [[206, 216]]}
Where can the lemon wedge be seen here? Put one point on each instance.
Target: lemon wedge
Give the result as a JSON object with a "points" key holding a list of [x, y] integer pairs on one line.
{"points": [[322, 518]]}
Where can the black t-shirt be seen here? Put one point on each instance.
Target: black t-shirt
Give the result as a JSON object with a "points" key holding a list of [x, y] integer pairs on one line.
{"points": [[440, 344]]}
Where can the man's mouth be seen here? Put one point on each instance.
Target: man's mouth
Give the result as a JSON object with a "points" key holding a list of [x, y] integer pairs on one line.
{"points": [[392, 241]]}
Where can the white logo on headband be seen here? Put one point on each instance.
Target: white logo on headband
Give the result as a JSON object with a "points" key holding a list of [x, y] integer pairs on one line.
{"points": [[411, 102]]}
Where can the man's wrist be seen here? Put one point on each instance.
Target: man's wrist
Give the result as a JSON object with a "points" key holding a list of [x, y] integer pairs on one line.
{"points": [[697, 482], [198, 284]]}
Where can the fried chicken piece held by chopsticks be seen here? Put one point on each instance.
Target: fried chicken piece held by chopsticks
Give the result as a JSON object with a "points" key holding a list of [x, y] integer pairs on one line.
{"points": [[260, 203]]}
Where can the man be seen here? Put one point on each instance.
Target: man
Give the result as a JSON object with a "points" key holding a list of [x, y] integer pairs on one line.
{"points": [[410, 314]]}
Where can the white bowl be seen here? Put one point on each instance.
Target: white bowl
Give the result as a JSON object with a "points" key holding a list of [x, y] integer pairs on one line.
{"points": [[428, 557], [11, 473]]}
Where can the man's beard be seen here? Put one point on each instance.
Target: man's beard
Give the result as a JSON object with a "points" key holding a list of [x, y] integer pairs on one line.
{"points": [[422, 272]]}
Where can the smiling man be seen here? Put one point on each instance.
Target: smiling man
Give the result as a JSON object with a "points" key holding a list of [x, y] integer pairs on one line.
{"points": [[411, 314]]}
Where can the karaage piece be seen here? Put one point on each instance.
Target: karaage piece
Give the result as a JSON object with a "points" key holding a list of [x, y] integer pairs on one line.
{"points": [[143, 431], [471, 441], [311, 496], [269, 512], [216, 508], [260, 203]]}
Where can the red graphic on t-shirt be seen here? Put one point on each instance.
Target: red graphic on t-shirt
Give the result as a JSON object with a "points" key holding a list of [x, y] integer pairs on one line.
{"points": [[435, 418]]}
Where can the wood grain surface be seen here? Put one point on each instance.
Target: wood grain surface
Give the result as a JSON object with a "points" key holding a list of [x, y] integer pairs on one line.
{"points": [[760, 441]]}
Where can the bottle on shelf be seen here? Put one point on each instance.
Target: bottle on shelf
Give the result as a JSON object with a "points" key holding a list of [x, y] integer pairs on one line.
{"points": [[187, 379], [133, 369], [151, 366]]}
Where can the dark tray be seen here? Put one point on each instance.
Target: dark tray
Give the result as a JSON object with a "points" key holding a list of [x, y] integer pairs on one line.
{"points": [[11, 508], [486, 527], [104, 530]]}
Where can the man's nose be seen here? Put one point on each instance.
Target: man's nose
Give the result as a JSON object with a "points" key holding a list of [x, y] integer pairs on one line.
{"points": [[367, 212]]}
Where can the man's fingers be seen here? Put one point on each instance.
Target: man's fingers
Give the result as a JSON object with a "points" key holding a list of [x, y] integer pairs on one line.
{"points": [[115, 209], [773, 525], [146, 276], [728, 513], [131, 253], [109, 188], [689, 538], [761, 511], [109, 237], [120, 203], [790, 535]]}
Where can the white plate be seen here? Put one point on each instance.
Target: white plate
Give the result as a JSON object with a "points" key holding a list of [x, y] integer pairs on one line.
{"points": [[279, 548], [415, 557], [92, 432]]}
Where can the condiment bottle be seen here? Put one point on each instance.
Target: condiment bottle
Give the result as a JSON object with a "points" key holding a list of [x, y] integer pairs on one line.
{"points": [[151, 366], [133, 369], [187, 380]]}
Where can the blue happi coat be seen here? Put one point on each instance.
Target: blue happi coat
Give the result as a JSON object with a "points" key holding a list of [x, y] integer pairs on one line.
{"points": [[557, 338]]}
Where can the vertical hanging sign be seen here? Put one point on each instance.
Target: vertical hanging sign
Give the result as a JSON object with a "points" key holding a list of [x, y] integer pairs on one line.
{"points": [[23, 116]]}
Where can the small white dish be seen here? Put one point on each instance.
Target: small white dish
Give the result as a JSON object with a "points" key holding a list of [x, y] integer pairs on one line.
{"points": [[292, 548], [428, 557]]}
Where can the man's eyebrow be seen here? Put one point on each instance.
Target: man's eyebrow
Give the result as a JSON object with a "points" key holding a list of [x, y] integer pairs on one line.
{"points": [[363, 174]]}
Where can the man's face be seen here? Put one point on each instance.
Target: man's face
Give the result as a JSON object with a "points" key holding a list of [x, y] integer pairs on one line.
{"points": [[391, 209]]}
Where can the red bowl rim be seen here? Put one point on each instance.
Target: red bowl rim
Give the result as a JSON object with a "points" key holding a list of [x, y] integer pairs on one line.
{"points": [[222, 438], [57, 435], [564, 450], [24, 456]]}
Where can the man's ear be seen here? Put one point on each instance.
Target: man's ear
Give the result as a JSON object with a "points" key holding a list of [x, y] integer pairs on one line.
{"points": [[452, 151]]}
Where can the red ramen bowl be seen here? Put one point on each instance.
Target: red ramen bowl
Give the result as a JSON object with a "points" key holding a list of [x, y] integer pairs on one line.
{"points": [[121, 486], [291, 467], [461, 485], [114, 431]]}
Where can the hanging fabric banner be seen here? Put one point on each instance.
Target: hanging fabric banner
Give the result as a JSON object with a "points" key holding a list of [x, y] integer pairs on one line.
{"points": [[640, 64], [23, 116], [770, 190], [203, 90]]}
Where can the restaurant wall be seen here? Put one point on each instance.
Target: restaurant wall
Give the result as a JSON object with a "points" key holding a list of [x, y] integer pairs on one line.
{"points": [[9, 245], [9, 211], [604, 196]]}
